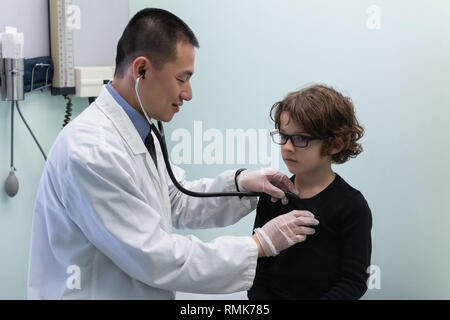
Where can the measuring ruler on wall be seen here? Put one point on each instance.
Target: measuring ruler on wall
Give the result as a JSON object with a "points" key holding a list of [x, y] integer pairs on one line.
{"points": [[61, 39]]}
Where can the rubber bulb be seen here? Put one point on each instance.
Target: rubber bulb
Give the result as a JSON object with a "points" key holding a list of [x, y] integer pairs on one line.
{"points": [[11, 185]]}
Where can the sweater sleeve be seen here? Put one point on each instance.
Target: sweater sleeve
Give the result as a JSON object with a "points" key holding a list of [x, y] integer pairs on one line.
{"points": [[356, 248]]}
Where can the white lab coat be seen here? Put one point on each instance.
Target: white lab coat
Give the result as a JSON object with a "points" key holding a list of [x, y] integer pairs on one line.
{"points": [[103, 217]]}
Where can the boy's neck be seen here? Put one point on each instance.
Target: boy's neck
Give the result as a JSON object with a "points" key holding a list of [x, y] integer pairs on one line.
{"points": [[312, 183]]}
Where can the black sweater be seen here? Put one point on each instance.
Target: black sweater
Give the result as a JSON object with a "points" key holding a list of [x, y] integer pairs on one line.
{"points": [[332, 263]]}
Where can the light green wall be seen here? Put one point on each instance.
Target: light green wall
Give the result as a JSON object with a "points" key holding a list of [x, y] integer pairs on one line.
{"points": [[254, 52]]}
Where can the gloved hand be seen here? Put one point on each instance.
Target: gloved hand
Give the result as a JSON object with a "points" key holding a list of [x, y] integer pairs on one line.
{"points": [[284, 231], [266, 180]]}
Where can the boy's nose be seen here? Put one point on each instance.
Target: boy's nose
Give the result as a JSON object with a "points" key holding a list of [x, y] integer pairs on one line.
{"points": [[288, 146]]}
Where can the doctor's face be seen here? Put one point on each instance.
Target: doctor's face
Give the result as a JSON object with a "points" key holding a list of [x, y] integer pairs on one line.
{"points": [[165, 90]]}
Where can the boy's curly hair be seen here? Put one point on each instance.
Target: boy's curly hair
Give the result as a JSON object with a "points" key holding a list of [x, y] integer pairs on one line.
{"points": [[323, 111]]}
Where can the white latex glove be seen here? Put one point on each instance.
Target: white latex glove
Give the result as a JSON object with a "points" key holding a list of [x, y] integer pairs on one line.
{"points": [[267, 180], [284, 231]]}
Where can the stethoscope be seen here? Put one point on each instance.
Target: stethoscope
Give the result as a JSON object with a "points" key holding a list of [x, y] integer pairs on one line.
{"points": [[161, 138]]}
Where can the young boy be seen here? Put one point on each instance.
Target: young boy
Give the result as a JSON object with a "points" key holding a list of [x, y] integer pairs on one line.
{"points": [[316, 126]]}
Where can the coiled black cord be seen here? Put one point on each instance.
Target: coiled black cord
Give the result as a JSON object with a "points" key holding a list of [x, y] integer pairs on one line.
{"points": [[68, 114]]}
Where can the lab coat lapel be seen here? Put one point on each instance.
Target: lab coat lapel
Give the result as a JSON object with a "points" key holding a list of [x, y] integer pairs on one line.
{"points": [[164, 191], [153, 170], [162, 183], [127, 130]]}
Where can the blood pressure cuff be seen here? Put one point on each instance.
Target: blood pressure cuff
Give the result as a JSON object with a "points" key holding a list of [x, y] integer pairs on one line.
{"points": [[40, 71]]}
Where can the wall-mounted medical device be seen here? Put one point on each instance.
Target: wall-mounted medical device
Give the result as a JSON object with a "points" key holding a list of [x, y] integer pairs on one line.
{"points": [[83, 38], [61, 42], [12, 72], [12, 64], [11, 87], [12, 67]]}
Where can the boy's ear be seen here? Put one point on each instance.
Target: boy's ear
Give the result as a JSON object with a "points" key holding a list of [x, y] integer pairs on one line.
{"points": [[337, 144]]}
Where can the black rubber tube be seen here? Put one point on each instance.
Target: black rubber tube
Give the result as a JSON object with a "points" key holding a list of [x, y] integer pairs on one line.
{"points": [[12, 134], [162, 142], [31, 132]]}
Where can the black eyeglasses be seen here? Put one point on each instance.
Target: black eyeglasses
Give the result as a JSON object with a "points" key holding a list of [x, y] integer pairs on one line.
{"points": [[298, 140]]}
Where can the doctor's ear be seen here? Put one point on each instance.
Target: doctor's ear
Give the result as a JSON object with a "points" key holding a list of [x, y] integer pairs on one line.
{"points": [[139, 67]]}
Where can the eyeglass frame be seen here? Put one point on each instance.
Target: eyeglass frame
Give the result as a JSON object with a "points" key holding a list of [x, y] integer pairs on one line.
{"points": [[290, 137]]}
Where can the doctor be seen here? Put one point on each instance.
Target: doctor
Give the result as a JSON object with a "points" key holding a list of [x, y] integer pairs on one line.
{"points": [[103, 217]]}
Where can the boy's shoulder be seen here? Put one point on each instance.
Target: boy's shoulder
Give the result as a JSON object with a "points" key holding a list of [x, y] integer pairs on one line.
{"points": [[345, 187], [349, 196], [339, 193], [340, 187]]}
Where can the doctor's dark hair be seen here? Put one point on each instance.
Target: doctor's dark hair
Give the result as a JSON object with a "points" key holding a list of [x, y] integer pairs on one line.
{"points": [[152, 33], [323, 111]]}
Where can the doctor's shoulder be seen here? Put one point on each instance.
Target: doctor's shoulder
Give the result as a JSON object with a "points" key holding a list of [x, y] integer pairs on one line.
{"points": [[90, 136]]}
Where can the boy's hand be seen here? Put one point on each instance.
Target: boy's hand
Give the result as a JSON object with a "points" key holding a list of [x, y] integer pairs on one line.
{"points": [[267, 180]]}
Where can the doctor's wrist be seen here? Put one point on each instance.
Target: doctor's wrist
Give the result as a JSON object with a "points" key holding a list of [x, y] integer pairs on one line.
{"points": [[260, 249], [236, 178]]}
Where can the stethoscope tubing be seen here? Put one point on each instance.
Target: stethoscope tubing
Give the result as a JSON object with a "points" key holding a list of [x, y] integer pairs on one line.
{"points": [[161, 139]]}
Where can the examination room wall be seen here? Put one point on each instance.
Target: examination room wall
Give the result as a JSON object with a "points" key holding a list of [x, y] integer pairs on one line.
{"points": [[394, 66], [44, 114], [252, 53]]}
